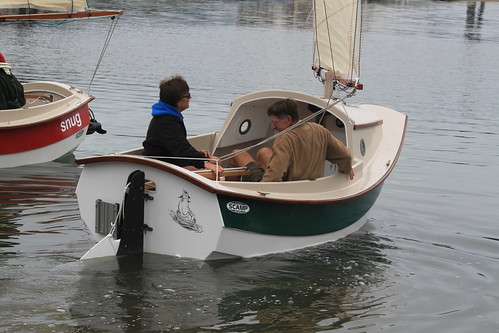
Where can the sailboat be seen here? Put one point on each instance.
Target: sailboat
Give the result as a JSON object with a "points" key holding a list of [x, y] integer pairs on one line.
{"points": [[136, 204], [34, 10], [56, 117]]}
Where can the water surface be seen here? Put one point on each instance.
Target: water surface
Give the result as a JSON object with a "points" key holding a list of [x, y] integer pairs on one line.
{"points": [[426, 261]]}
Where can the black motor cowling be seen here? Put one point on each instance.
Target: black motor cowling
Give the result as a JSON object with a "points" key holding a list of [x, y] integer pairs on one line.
{"points": [[94, 125]]}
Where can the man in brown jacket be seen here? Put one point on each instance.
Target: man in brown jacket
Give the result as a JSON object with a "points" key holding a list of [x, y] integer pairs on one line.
{"points": [[297, 154]]}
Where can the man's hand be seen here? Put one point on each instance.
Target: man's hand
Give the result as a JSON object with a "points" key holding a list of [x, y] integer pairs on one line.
{"points": [[214, 167], [205, 153]]}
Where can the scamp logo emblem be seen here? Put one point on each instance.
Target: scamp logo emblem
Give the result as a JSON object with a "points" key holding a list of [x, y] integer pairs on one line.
{"points": [[238, 207]]}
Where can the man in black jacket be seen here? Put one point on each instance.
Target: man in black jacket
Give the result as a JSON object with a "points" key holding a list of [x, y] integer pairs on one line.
{"points": [[167, 136], [11, 90]]}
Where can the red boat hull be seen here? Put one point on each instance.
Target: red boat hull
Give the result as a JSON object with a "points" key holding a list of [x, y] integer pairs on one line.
{"points": [[44, 133]]}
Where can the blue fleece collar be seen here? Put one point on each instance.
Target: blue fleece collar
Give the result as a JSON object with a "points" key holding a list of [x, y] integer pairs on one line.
{"points": [[161, 108]]}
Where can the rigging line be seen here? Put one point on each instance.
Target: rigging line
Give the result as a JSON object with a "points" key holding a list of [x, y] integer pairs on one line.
{"points": [[324, 113], [330, 42], [360, 36], [29, 9], [181, 158], [298, 123], [351, 41], [330, 98], [121, 210], [315, 41], [49, 25], [348, 117], [114, 22], [311, 11], [315, 46], [355, 14], [87, 8]]}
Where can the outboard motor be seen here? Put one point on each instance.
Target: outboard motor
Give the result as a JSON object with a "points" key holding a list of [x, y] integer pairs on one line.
{"points": [[94, 125]]}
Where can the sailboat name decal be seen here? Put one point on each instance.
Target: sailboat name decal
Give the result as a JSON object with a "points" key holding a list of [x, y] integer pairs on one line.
{"points": [[238, 207], [72, 121]]}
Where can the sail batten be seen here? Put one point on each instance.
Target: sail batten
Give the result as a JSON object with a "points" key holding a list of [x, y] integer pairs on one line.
{"points": [[338, 37]]}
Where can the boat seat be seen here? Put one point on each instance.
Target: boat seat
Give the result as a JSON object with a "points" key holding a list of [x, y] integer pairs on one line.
{"points": [[45, 98], [227, 173]]}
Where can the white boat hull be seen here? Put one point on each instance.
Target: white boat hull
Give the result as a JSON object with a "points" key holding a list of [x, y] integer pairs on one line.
{"points": [[207, 238]]}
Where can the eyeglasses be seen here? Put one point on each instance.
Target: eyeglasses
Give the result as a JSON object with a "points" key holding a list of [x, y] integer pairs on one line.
{"points": [[188, 96], [275, 122]]}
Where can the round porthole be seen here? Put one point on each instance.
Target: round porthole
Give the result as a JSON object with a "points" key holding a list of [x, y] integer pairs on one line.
{"points": [[362, 147], [245, 127]]}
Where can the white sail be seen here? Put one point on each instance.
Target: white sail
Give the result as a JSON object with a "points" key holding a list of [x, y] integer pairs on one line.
{"points": [[54, 5], [337, 37]]}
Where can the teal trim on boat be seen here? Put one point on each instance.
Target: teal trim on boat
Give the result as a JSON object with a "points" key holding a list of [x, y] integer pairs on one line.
{"points": [[294, 219]]}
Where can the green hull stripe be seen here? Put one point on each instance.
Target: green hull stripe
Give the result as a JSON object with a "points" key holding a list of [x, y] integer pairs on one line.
{"points": [[287, 219]]}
